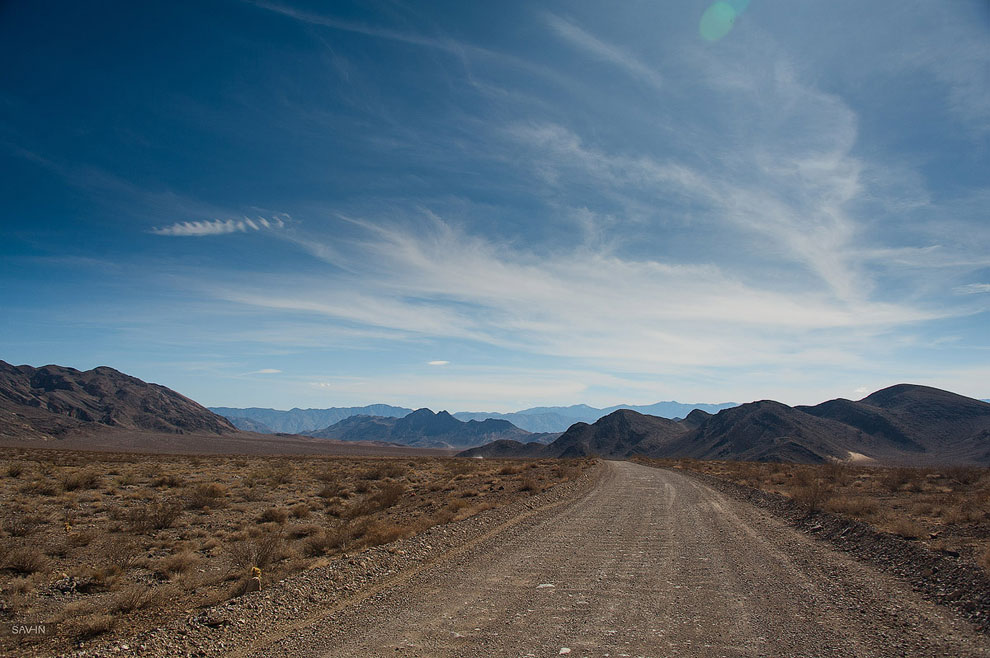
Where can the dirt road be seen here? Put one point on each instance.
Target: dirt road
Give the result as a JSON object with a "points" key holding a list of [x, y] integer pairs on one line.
{"points": [[648, 563]]}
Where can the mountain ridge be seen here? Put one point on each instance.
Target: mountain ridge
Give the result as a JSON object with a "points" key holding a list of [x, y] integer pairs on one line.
{"points": [[52, 400], [424, 428], [901, 423]]}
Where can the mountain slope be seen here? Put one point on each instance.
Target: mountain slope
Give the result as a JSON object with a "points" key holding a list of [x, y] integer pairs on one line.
{"points": [[52, 400]]}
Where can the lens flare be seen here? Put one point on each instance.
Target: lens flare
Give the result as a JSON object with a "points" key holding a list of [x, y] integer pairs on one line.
{"points": [[718, 20]]}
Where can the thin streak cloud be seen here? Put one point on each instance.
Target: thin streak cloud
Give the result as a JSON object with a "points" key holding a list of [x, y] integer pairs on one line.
{"points": [[604, 51], [219, 227]]}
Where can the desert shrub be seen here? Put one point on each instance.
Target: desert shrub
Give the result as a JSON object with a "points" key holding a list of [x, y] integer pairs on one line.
{"points": [[858, 507], [15, 469], [281, 472], [460, 466], [168, 480], [372, 532], [893, 479], [135, 597], [274, 515], [300, 511], [836, 473], [25, 559], [18, 523], [908, 528], [964, 475], [80, 539], [92, 579], [965, 512], [85, 479], [330, 490], [363, 507], [206, 494], [305, 530], [983, 559], [389, 494], [155, 515], [510, 469], [530, 484], [812, 497], [326, 541], [119, 556], [91, 626], [127, 479], [259, 551], [383, 470], [178, 563], [41, 486]]}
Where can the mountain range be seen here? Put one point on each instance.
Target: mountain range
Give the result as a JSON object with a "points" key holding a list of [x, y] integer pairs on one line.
{"points": [[906, 423], [535, 419], [297, 421], [53, 400], [903, 423], [423, 428]]}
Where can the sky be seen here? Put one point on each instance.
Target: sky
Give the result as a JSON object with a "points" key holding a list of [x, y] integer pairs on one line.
{"points": [[491, 206]]}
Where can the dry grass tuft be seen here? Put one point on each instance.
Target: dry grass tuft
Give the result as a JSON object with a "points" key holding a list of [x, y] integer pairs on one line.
{"points": [[85, 479]]}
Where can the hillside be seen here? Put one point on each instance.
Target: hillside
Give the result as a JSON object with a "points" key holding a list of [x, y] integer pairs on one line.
{"points": [[52, 400], [424, 428], [905, 423]]}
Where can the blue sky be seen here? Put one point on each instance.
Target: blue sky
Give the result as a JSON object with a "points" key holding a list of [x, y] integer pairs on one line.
{"points": [[490, 206]]}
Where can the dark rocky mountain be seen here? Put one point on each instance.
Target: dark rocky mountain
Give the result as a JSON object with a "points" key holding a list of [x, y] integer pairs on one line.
{"points": [[902, 424], [695, 419], [52, 400], [424, 428], [298, 421], [622, 433], [542, 422]]}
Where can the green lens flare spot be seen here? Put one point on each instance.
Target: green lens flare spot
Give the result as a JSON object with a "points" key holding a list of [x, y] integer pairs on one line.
{"points": [[717, 21]]}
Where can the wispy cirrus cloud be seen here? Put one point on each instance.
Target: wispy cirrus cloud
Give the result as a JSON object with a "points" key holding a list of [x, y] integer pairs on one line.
{"points": [[220, 227], [973, 289], [600, 49]]}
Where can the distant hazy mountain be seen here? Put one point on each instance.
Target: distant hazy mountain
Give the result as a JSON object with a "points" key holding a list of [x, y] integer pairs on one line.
{"points": [[902, 423], [542, 422], [298, 421], [558, 419], [51, 400], [426, 429], [250, 425]]}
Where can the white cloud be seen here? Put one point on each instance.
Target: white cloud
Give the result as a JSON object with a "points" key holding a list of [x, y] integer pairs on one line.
{"points": [[440, 282], [973, 289], [438, 363], [220, 227], [266, 371]]}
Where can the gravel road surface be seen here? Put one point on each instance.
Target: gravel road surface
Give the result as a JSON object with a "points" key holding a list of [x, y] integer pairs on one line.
{"points": [[648, 563]]}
